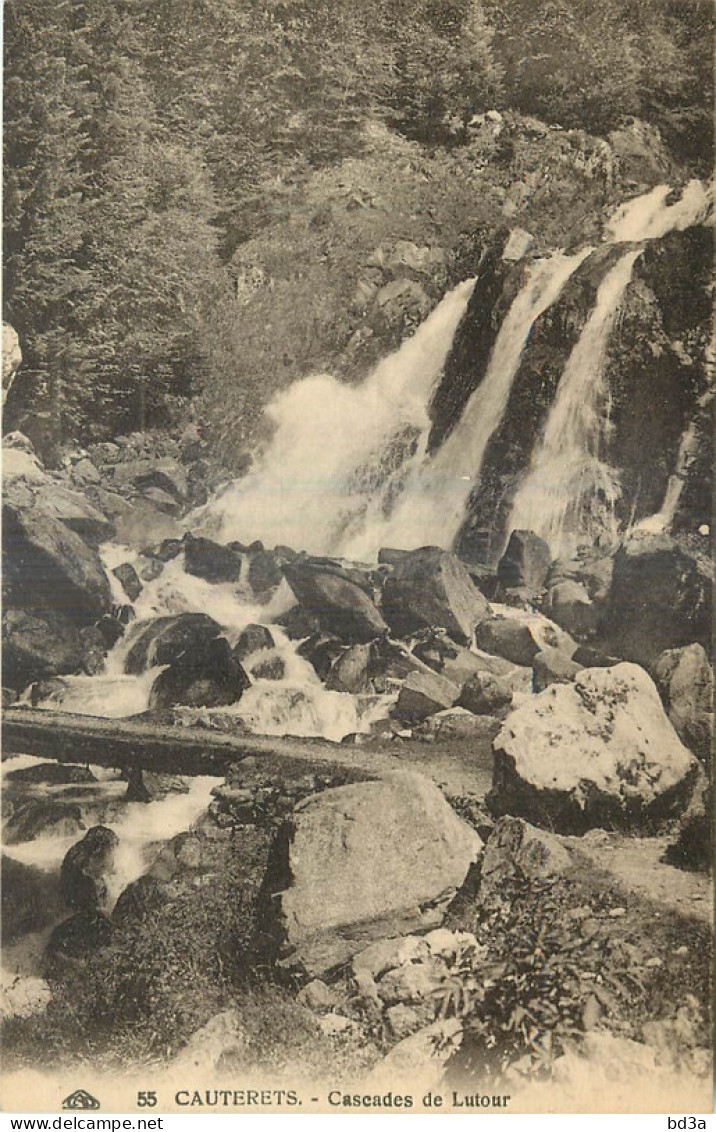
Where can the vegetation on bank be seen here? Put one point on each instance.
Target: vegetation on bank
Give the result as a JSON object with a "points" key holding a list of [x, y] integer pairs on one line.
{"points": [[151, 149], [557, 959]]}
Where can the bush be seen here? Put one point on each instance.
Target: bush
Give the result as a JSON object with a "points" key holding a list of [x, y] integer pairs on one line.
{"points": [[554, 970]]}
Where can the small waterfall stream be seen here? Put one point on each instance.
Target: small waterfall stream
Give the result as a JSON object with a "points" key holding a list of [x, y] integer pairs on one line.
{"points": [[647, 217], [567, 476]]}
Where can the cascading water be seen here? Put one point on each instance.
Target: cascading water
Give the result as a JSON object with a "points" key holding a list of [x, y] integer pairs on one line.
{"points": [[569, 493], [347, 470], [567, 476], [298, 704], [647, 217], [333, 442], [432, 506]]}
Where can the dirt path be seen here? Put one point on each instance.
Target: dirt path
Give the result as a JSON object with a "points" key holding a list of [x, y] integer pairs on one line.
{"points": [[636, 865]]}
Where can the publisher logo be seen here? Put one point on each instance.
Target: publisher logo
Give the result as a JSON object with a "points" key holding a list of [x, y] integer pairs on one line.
{"points": [[80, 1099]]}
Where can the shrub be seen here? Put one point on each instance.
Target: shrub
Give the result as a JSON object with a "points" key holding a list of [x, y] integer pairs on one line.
{"points": [[553, 971]]}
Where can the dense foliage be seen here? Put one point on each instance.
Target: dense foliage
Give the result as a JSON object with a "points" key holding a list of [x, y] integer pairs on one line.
{"points": [[146, 143]]}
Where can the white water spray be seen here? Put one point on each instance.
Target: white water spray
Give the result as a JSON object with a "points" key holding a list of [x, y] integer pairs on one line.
{"points": [[567, 476], [334, 442]]}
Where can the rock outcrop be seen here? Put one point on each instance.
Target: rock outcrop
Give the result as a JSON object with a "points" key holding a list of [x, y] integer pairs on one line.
{"points": [[660, 598], [423, 694], [486, 694], [597, 751], [552, 666], [164, 473], [48, 566], [254, 638], [38, 645], [84, 869], [511, 639], [211, 561]]}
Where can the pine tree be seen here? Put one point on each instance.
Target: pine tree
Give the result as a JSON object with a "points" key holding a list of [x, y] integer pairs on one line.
{"points": [[47, 106]]}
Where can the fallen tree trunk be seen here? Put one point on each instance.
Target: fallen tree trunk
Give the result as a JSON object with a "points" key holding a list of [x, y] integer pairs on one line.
{"points": [[138, 745]]}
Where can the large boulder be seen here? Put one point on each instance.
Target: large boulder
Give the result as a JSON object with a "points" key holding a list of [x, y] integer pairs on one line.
{"points": [[38, 645], [458, 723], [509, 638], [164, 639], [139, 523], [50, 774], [340, 605], [205, 676], [321, 650], [552, 666], [590, 567], [516, 849], [660, 598], [430, 588], [211, 561], [568, 604], [350, 672], [486, 694], [525, 562], [365, 862], [254, 638], [577, 589], [598, 751], [128, 579], [423, 694], [48, 566], [685, 681], [456, 662], [391, 662], [85, 867], [265, 572]]}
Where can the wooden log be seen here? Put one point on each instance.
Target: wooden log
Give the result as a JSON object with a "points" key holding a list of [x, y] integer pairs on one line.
{"points": [[69, 738]]}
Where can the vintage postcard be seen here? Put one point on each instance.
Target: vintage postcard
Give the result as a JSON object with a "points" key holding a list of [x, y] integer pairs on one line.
{"points": [[356, 558]]}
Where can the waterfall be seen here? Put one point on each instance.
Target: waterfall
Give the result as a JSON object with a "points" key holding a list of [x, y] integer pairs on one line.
{"points": [[348, 471], [569, 493], [335, 443], [567, 476], [647, 217], [432, 506], [688, 448]]}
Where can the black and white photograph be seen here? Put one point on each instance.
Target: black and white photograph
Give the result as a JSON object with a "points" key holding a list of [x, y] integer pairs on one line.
{"points": [[357, 483]]}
